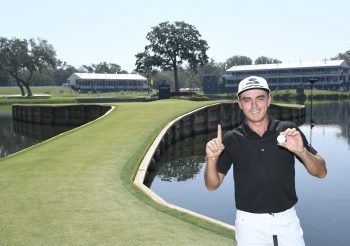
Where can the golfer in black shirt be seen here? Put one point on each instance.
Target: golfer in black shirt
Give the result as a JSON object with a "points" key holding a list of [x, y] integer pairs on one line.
{"points": [[263, 169]]}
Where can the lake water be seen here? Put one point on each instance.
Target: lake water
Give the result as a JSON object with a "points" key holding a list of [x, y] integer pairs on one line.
{"points": [[15, 136], [323, 205]]}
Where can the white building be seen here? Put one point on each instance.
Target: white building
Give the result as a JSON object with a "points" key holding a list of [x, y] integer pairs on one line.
{"points": [[331, 74], [107, 82]]}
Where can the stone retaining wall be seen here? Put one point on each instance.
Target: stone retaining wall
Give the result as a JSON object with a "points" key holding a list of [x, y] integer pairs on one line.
{"points": [[58, 115], [206, 120], [200, 121]]}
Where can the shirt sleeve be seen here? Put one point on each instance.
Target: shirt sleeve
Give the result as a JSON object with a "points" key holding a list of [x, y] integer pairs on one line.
{"points": [[306, 143]]}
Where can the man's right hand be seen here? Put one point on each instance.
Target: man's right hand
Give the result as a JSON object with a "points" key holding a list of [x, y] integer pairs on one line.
{"points": [[215, 147]]}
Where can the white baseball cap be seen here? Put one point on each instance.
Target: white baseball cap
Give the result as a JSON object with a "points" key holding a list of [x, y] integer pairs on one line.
{"points": [[253, 82]]}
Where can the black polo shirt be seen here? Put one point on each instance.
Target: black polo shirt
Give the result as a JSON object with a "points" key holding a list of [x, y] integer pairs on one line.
{"points": [[263, 172]]}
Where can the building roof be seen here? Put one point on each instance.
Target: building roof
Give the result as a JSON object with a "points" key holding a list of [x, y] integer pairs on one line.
{"points": [[106, 76], [274, 66]]}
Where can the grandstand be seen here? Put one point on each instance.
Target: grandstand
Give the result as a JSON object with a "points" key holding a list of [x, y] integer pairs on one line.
{"points": [[95, 82], [330, 75]]}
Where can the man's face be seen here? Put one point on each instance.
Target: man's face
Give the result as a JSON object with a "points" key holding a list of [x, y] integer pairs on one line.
{"points": [[254, 104]]}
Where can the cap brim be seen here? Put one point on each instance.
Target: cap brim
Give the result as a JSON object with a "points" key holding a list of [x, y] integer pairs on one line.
{"points": [[264, 89]]}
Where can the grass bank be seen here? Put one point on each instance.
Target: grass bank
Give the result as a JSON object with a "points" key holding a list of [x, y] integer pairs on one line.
{"points": [[76, 189], [56, 94], [292, 95]]}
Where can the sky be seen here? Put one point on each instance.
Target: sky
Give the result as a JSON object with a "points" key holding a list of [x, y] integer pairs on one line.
{"points": [[85, 32]]}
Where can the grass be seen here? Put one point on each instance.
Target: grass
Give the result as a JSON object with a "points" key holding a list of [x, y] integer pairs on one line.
{"points": [[76, 189], [307, 92], [66, 95], [56, 94]]}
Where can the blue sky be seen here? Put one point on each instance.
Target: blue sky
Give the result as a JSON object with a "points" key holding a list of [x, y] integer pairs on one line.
{"points": [[86, 31]]}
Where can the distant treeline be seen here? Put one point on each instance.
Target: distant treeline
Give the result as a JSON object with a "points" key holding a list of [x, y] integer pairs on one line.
{"points": [[317, 95], [33, 62]]}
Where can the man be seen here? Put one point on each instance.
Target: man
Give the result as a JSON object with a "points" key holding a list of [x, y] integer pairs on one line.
{"points": [[263, 169]]}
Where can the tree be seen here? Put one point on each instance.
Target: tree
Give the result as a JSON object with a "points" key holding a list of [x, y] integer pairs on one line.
{"points": [[343, 56], [102, 67], [212, 68], [105, 67], [21, 58], [62, 72], [170, 46], [43, 78], [237, 61], [12, 57], [86, 69], [266, 60], [5, 79]]}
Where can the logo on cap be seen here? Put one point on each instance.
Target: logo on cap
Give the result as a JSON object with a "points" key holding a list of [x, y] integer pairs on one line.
{"points": [[253, 82]]}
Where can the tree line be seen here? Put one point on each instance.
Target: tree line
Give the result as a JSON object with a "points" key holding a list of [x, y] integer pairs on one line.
{"points": [[175, 53], [34, 62]]}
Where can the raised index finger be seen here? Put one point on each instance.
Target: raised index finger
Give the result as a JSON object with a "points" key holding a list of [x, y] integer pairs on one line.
{"points": [[219, 136]]}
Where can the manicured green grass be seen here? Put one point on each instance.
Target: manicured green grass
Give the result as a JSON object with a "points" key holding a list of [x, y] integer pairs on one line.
{"points": [[67, 92], [76, 189], [48, 90], [56, 94], [307, 92]]}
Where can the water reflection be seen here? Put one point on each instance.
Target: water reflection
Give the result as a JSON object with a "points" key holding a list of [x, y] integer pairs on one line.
{"points": [[180, 170], [332, 113], [181, 161], [323, 203], [10, 142], [176, 168], [15, 136], [38, 132]]}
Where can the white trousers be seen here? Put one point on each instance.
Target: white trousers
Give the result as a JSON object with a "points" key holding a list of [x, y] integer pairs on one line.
{"points": [[263, 229]]}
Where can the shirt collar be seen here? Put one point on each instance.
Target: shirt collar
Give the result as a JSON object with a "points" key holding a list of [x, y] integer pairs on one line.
{"points": [[247, 131]]}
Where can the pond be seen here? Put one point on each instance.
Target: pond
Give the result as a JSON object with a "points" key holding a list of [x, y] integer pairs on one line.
{"points": [[323, 205], [15, 136]]}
